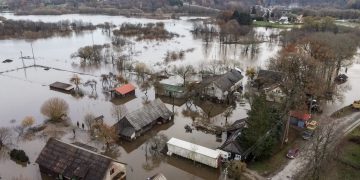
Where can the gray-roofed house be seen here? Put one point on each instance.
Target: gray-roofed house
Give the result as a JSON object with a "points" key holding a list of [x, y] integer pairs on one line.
{"points": [[221, 86], [232, 146], [270, 82], [61, 160], [141, 120], [267, 78]]}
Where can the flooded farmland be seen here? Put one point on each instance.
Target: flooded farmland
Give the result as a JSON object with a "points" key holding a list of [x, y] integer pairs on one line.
{"points": [[23, 91]]}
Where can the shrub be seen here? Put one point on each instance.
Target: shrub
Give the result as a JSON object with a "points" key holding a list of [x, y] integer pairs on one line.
{"points": [[19, 155]]}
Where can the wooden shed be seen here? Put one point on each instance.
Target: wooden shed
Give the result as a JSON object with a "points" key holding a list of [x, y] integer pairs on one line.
{"points": [[125, 90], [143, 119], [62, 87]]}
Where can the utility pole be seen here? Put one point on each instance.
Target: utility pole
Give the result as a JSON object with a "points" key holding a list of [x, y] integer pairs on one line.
{"points": [[22, 59], [286, 132], [32, 50]]}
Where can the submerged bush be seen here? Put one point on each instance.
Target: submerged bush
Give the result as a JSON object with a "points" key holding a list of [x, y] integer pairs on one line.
{"points": [[19, 155]]}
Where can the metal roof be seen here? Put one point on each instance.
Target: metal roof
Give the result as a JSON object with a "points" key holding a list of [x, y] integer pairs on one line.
{"points": [[124, 89], [194, 148], [147, 114], [73, 161]]}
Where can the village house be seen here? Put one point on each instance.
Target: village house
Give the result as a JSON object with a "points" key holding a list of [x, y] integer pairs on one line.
{"points": [[232, 146], [143, 119], [269, 82], [61, 160], [221, 86], [171, 87], [124, 90]]}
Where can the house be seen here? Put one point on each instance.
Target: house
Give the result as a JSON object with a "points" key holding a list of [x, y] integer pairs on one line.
{"points": [[275, 93], [267, 78], [232, 145], [125, 90], [171, 87], [219, 87], [61, 160], [143, 119], [194, 152], [284, 20], [299, 119], [270, 83], [62, 87]]}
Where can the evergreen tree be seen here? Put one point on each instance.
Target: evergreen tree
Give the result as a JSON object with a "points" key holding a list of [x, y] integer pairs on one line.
{"points": [[263, 128]]}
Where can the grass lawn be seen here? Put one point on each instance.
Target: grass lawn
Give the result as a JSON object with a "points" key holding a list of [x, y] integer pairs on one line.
{"points": [[278, 160], [274, 25], [347, 166], [345, 111]]}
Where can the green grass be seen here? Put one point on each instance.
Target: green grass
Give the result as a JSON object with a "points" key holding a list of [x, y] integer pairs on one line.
{"points": [[349, 158], [351, 154], [345, 111], [274, 25]]}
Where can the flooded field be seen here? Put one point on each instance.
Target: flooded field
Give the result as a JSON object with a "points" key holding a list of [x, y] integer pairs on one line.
{"points": [[24, 90]]}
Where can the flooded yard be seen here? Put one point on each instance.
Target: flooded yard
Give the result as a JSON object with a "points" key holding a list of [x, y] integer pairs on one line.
{"points": [[23, 91]]}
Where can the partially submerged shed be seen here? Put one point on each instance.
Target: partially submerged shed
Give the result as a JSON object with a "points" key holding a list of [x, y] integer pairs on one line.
{"points": [[63, 87], [125, 90], [67, 161], [194, 152], [141, 120]]}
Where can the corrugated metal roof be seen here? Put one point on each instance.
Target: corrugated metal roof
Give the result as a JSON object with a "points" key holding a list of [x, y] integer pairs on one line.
{"points": [[73, 161], [194, 147], [147, 114], [124, 89]]}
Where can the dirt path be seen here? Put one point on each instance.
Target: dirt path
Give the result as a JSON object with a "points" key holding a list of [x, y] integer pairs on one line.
{"points": [[344, 126]]}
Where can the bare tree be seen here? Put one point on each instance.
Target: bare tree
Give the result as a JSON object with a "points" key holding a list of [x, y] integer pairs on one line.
{"points": [[319, 150], [105, 133], [89, 120], [228, 112], [118, 112], [76, 80], [55, 108], [141, 69], [5, 136], [184, 72]]}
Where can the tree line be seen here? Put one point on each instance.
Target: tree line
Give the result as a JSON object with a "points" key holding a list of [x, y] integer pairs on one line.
{"points": [[34, 30]]}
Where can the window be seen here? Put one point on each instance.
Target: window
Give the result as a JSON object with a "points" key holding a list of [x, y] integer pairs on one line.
{"points": [[112, 171]]}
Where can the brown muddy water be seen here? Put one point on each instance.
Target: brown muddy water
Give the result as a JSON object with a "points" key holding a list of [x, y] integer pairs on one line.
{"points": [[24, 90]]}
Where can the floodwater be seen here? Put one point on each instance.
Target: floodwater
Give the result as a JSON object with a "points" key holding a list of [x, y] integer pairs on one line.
{"points": [[24, 90]]}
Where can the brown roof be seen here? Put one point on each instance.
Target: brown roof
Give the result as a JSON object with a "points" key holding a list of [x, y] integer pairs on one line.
{"points": [[73, 161]]}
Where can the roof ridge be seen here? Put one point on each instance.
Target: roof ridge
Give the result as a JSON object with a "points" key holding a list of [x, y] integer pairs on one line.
{"points": [[81, 148]]}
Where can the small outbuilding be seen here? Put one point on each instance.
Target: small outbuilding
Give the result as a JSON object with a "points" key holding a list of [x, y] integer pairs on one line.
{"points": [[125, 90], [194, 152], [299, 119], [60, 160], [143, 119], [62, 87]]}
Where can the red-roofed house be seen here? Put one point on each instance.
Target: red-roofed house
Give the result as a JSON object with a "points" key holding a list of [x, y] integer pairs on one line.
{"points": [[125, 90], [299, 119]]}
